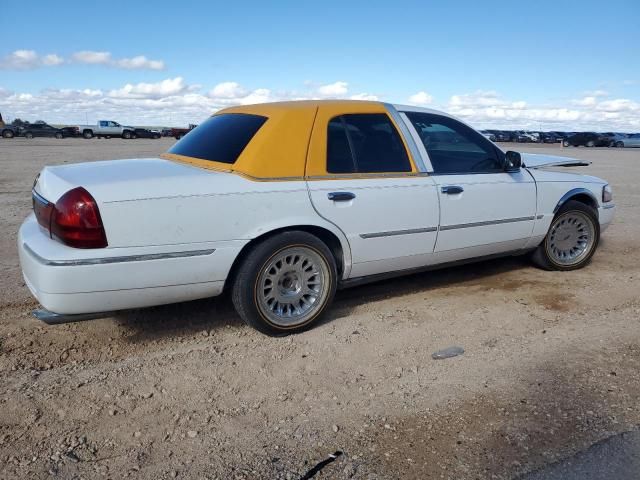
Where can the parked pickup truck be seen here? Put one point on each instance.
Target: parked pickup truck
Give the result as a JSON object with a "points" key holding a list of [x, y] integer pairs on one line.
{"points": [[106, 129]]}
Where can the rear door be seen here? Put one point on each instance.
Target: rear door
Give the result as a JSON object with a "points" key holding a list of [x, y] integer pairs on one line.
{"points": [[362, 178], [483, 209]]}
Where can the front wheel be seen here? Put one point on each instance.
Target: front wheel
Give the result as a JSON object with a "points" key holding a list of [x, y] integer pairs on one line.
{"points": [[285, 283], [7, 134], [28, 135], [58, 135], [591, 143], [87, 134], [571, 240], [619, 145], [126, 135]]}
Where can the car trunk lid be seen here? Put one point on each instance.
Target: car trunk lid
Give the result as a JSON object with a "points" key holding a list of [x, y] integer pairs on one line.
{"points": [[126, 180]]}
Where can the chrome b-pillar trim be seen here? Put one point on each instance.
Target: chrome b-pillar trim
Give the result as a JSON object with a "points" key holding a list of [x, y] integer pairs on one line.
{"points": [[406, 133]]}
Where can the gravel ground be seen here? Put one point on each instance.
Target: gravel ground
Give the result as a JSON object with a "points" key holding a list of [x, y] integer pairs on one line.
{"points": [[551, 365]]}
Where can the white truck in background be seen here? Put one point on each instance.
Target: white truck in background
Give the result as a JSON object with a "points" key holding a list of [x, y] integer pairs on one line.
{"points": [[106, 129]]}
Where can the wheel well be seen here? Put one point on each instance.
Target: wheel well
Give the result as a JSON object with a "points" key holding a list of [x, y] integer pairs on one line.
{"points": [[579, 195], [586, 199], [328, 237]]}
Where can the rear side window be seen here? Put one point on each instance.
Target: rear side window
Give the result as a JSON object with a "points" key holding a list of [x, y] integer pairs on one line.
{"points": [[221, 138], [365, 143]]}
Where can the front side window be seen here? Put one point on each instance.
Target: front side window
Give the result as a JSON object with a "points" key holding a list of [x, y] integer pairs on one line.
{"points": [[455, 148], [365, 143], [220, 138]]}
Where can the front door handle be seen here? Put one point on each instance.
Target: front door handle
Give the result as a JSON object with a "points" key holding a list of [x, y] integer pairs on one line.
{"points": [[452, 189], [341, 196]]}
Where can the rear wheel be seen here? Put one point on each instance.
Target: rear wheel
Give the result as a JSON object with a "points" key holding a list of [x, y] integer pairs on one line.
{"points": [[58, 135], [571, 240], [619, 144], [7, 134], [87, 134], [285, 283], [565, 143], [591, 143], [28, 135]]}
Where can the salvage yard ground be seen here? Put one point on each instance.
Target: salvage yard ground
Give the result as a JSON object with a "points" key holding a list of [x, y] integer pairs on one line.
{"points": [[551, 364]]}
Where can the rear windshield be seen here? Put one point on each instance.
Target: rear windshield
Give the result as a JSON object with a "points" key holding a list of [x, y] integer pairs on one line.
{"points": [[221, 138]]}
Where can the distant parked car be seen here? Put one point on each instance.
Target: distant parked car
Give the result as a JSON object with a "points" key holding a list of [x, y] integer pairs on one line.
{"points": [[488, 135], [178, 133], [146, 133], [10, 131], [41, 130], [615, 138], [587, 139], [549, 137], [526, 137], [632, 140], [70, 132], [502, 136]]}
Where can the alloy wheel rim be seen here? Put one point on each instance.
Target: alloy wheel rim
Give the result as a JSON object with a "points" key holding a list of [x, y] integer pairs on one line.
{"points": [[571, 238], [292, 286]]}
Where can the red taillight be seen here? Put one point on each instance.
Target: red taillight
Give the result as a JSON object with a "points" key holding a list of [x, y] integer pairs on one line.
{"points": [[76, 222]]}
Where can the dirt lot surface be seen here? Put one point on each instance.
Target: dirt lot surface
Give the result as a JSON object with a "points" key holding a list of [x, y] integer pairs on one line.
{"points": [[551, 365]]}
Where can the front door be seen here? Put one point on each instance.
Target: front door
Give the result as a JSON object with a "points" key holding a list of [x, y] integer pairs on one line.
{"points": [[362, 178], [483, 209]]}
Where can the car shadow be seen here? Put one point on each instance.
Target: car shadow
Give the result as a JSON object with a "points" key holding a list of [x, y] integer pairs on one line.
{"points": [[208, 315]]}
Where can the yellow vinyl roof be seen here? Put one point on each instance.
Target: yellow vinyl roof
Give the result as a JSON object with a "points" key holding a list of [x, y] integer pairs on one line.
{"points": [[280, 148]]}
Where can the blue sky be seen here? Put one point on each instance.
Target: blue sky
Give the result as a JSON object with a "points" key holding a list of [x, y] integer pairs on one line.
{"points": [[536, 64]]}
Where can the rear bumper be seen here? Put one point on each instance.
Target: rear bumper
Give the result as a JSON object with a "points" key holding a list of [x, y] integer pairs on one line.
{"points": [[72, 281]]}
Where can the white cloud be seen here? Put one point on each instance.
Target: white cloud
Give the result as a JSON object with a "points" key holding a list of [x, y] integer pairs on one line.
{"points": [[421, 98], [585, 101], [165, 88], [364, 96], [173, 101], [596, 93], [336, 89], [52, 60], [227, 90], [91, 57], [28, 60], [139, 62], [486, 109]]}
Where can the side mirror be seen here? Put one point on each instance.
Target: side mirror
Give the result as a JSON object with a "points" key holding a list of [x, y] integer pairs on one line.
{"points": [[512, 161]]}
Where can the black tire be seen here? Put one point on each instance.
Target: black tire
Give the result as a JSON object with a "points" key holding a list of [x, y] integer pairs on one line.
{"points": [[126, 134], [28, 135], [542, 256], [245, 281], [619, 144], [565, 143], [59, 135], [590, 143], [156, 137], [7, 134], [87, 134]]}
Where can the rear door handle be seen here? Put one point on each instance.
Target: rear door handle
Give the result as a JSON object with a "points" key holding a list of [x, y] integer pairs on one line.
{"points": [[341, 196], [452, 189]]}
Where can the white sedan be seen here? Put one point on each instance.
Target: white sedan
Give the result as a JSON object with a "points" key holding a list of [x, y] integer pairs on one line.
{"points": [[282, 203]]}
